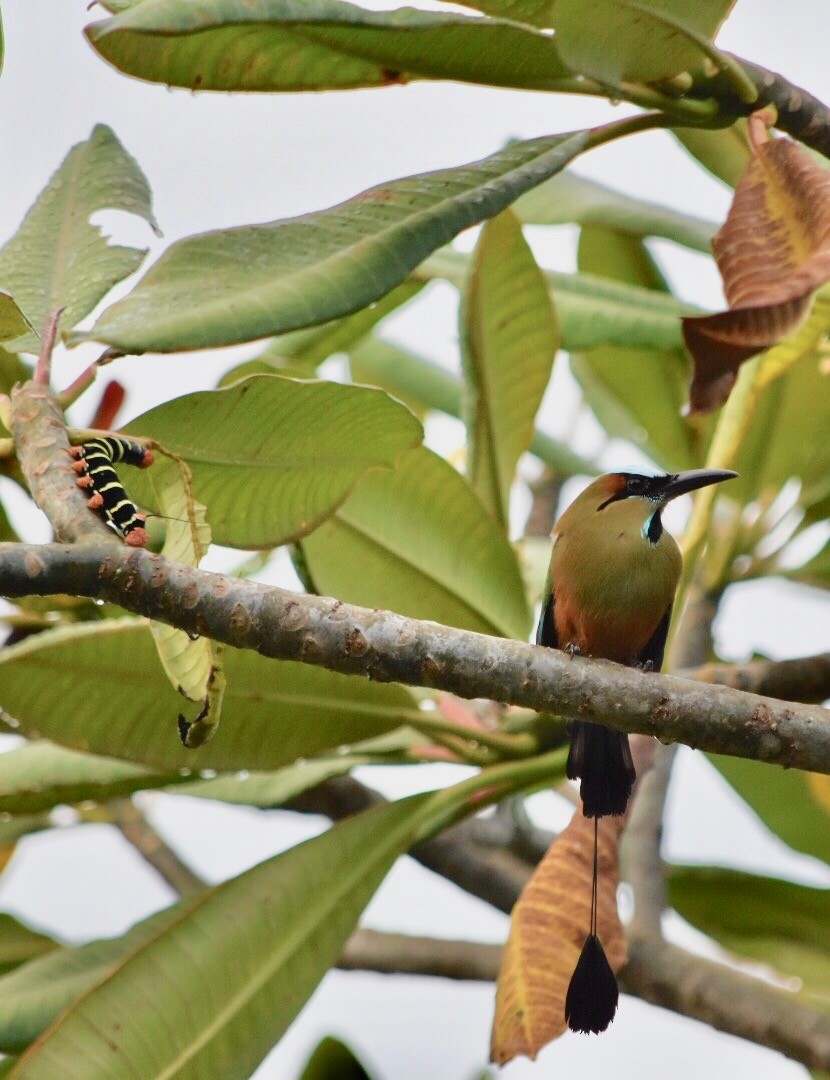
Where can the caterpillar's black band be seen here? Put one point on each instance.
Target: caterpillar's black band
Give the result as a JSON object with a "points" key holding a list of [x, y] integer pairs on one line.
{"points": [[115, 505]]}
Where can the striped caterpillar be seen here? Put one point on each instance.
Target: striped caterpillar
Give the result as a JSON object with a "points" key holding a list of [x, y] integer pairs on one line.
{"points": [[94, 463]]}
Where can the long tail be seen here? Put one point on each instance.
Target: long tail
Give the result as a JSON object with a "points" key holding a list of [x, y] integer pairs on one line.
{"points": [[601, 758], [591, 1001]]}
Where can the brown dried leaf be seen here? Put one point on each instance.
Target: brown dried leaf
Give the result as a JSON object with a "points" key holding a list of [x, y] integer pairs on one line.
{"points": [[547, 931], [773, 253]]}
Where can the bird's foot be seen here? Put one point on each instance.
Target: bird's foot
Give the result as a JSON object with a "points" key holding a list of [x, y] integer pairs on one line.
{"points": [[572, 649], [644, 665]]}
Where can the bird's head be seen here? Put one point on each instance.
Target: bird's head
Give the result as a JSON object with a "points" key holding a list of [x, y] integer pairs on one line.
{"points": [[632, 499]]}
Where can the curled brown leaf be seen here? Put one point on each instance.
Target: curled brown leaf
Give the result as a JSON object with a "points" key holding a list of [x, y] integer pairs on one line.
{"points": [[773, 253]]}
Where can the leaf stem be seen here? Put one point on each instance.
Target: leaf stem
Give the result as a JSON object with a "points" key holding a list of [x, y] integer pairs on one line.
{"points": [[730, 431], [492, 785]]}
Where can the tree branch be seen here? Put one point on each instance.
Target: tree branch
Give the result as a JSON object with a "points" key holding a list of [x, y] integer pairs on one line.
{"points": [[805, 679], [666, 975], [390, 648], [656, 972], [156, 852]]}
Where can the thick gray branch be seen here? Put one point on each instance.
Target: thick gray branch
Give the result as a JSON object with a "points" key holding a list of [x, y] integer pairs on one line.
{"points": [[656, 971], [43, 452], [390, 648]]}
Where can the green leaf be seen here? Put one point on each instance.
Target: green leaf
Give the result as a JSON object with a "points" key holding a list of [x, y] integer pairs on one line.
{"points": [[532, 12], [765, 919], [309, 348], [19, 943], [333, 1059], [272, 457], [636, 40], [57, 259], [509, 339], [240, 284], [266, 789], [637, 394], [725, 153], [35, 994], [299, 353], [12, 370], [274, 711], [188, 662], [591, 310], [39, 776], [13, 323], [230, 973], [278, 45], [793, 804], [787, 436], [7, 533], [418, 541], [570, 198]]}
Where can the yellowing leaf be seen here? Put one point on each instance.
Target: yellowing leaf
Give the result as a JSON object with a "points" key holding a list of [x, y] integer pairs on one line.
{"points": [[547, 930], [804, 341], [819, 786], [773, 253], [187, 662]]}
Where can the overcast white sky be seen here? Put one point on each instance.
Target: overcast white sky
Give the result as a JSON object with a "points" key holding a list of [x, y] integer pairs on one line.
{"points": [[216, 161]]}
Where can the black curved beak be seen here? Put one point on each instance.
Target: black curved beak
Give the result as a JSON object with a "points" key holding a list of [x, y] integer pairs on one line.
{"points": [[684, 482]]}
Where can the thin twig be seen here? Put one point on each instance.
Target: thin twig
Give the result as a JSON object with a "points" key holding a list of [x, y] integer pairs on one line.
{"points": [[156, 852], [43, 369]]}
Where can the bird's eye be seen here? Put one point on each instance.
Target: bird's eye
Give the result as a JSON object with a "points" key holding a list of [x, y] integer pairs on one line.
{"points": [[636, 484]]}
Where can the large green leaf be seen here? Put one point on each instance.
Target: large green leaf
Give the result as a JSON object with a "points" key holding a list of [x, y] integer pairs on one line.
{"points": [[591, 310], [99, 687], [570, 198], [318, 45], [636, 394], [310, 347], [57, 259], [240, 284], [40, 775], [418, 541], [508, 341], [211, 993], [271, 457], [795, 805], [33, 995], [765, 919], [19, 943], [636, 40]]}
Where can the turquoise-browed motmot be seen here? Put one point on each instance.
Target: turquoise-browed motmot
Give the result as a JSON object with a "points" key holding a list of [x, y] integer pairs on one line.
{"points": [[613, 575]]}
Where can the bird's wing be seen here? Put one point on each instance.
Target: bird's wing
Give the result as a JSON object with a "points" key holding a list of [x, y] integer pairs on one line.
{"points": [[546, 630], [653, 652]]}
